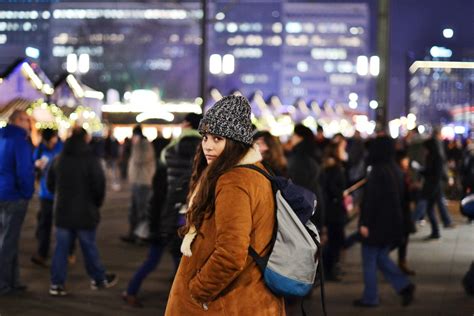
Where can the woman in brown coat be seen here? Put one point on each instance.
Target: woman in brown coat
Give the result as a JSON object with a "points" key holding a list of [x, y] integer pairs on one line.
{"points": [[229, 210]]}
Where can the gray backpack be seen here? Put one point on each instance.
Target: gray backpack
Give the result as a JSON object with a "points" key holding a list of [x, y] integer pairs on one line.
{"points": [[290, 267]]}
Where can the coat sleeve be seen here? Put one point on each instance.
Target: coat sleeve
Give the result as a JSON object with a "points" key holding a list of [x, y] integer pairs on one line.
{"points": [[51, 176], [24, 169], [233, 220], [97, 182]]}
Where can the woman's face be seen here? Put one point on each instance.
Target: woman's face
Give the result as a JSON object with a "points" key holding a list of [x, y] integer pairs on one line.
{"points": [[212, 146], [262, 146]]}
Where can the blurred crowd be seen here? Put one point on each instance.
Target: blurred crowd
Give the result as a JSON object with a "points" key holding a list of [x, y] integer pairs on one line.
{"points": [[388, 187]]}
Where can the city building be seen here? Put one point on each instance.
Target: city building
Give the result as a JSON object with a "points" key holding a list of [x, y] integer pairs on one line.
{"points": [[297, 51], [441, 93]]}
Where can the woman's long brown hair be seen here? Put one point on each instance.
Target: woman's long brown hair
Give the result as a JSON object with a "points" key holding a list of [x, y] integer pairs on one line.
{"points": [[206, 177]]}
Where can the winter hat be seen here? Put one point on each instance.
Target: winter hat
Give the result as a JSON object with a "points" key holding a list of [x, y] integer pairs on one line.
{"points": [[229, 117]]}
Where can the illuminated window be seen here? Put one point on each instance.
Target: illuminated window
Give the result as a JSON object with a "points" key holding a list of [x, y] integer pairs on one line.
{"points": [[349, 41], [254, 40], [277, 27], [247, 53], [329, 53], [3, 38], [232, 27], [219, 27], [331, 27], [297, 40], [302, 66], [345, 67], [293, 27]]}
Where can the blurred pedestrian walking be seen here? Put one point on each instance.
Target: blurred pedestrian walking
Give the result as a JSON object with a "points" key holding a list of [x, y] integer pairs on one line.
{"points": [[381, 224], [141, 169], [77, 180]]}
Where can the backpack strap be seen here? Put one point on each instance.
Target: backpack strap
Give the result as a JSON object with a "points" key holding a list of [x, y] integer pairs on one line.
{"points": [[269, 175], [259, 260]]}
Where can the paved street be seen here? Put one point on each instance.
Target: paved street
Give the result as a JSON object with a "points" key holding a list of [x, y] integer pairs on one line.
{"points": [[439, 266]]}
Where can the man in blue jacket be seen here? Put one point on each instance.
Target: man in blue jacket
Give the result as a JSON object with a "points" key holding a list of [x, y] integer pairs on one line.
{"points": [[16, 188], [49, 148]]}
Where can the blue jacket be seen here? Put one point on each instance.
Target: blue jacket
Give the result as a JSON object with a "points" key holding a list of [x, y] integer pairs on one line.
{"points": [[40, 152], [16, 165]]}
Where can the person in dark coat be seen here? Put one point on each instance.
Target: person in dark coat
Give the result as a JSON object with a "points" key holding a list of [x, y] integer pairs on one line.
{"points": [[380, 224], [77, 180], [303, 168], [178, 157], [433, 174], [408, 225], [333, 186]]}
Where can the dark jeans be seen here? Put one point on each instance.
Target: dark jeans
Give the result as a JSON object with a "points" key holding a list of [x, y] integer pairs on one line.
{"points": [[44, 227], [335, 245], [378, 257], [152, 261], [440, 201], [12, 214], [64, 238], [137, 212], [402, 249]]}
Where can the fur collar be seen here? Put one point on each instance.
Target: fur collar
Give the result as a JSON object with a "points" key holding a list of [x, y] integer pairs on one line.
{"points": [[252, 156]]}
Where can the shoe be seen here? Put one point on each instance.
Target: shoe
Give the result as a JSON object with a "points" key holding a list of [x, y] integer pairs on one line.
{"points": [[421, 223], [128, 239], [110, 280], [407, 294], [38, 260], [71, 259], [450, 226], [360, 303], [405, 269], [432, 237], [131, 300], [57, 290]]}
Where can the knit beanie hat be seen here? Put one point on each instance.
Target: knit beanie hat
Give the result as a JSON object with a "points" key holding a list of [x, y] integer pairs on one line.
{"points": [[229, 117]]}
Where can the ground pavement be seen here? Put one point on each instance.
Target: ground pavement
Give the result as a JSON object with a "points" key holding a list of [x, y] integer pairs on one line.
{"points": [[439, 266]]}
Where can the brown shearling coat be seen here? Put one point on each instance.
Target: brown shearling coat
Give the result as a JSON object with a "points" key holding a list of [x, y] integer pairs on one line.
{"points": [[220, 272]]}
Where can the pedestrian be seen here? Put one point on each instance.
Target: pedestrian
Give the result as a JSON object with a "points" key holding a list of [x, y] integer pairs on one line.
{"points": [[111, 156], [433, 174], [125, 153], [380, 224], [16, 189], [303, 167], [43, 156], [229, 210], [272, 152], [410, 189], [334, 183], [141, 169], [155, 251], [77, 180], [170, 189]]}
